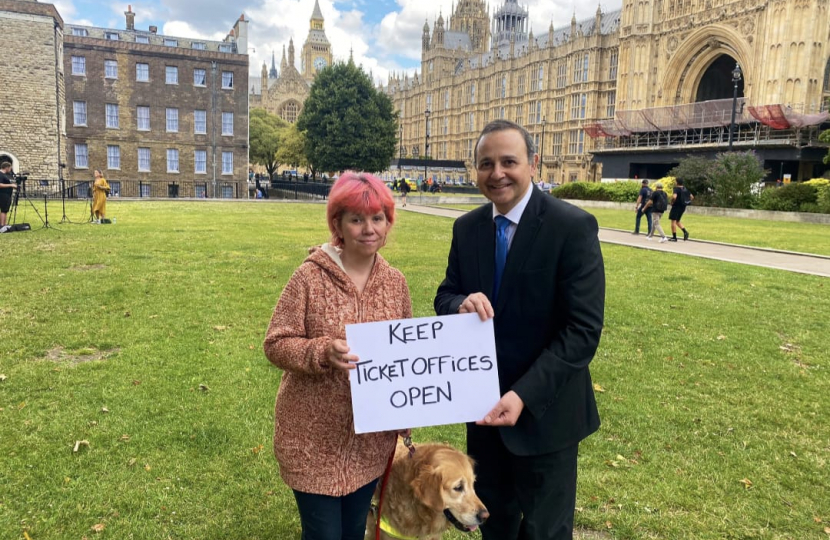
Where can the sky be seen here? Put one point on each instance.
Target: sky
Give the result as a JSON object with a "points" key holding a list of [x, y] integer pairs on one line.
{"points": [[383, 35]]}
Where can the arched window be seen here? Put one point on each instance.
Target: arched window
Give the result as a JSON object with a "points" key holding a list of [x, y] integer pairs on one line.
{"points": [[290, 111]]}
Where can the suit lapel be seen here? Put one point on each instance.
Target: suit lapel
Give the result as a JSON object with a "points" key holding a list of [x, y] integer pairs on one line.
{"points": [[521, 246]]}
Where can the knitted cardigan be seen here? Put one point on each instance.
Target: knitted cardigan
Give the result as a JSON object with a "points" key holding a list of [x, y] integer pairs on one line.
{"points": [[314, 439]]}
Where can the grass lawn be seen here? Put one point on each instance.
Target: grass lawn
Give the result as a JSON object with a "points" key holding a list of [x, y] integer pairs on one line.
{"points": [[144, 340], [801, 237]]}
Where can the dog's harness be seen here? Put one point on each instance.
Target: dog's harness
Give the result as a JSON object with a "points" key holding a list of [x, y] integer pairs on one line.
{"points": [[387, 527]]}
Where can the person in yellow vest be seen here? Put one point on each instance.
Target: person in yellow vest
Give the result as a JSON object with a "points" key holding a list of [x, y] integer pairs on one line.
{"points": [[100, 190]]}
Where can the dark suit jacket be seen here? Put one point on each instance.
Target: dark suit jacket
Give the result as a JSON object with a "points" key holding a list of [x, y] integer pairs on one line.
{"points": [[548, 318]]}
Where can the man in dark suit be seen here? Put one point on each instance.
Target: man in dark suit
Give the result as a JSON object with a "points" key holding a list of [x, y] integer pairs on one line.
{"points": [[547, 297]]}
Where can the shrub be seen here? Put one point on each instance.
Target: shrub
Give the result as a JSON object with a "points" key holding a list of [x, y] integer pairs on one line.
{"points": [[733, 175], [593, 191], [789, 198], [622, 191], [694, 171]]}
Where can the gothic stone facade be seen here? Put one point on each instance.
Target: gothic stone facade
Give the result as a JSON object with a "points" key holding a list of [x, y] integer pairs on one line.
{"points": [[31, 95], [651, 53]]}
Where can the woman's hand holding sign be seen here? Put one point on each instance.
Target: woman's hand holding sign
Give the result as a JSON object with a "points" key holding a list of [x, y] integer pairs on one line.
{"points": [[338, 355]]}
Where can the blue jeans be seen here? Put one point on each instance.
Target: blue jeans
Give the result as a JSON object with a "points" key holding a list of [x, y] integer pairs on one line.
{"points": [[640, 214], [335, 518]]}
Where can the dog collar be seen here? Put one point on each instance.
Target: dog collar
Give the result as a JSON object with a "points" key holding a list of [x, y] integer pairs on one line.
{"points": [[387, 527], [452, 519]]}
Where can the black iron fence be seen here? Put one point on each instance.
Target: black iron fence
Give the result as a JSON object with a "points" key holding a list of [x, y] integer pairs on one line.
{"points": [[300, 191], [58, 189]]}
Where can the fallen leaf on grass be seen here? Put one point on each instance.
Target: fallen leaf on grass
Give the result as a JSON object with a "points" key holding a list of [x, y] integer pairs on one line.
{"points": [[793, 454], [98, 527], [721, 337], [3, 377], [26, 536], [136, 382], [79, 444], [125, 437], [257, 449], [104, 410], [598, 388], [147, 467], [220, 328], [827, 530], [747, 483], [204, 388], [608, 525], [131, 462], [817, 519]]}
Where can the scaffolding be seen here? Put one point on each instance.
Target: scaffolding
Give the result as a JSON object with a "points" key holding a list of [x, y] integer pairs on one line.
{"points": [[706, 123]]}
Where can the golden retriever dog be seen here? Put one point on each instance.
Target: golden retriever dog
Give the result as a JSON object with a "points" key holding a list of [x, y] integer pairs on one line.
{"points": [[428, 492]]}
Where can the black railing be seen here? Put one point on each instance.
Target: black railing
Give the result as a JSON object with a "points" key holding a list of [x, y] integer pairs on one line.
{"points": [[301, 191], [157, 189]]}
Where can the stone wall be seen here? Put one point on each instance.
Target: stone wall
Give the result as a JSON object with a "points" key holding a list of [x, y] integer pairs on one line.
{"points": [[29, 107]]}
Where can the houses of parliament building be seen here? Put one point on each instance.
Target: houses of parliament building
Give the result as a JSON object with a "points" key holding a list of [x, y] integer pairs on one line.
{"points": [[627, 93]]}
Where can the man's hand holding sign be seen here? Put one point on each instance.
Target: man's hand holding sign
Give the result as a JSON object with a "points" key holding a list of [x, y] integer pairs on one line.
{"points": [[422, 372]]}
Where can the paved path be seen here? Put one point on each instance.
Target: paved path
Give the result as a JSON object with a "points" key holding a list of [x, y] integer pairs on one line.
{"points": [[817, 265]]}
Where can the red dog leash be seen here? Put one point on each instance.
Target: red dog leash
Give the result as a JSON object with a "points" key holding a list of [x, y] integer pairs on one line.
{"points": [[407, 441]]}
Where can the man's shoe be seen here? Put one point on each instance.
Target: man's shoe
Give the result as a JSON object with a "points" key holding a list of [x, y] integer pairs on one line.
{"points": [[672, 239], [636, 232], [685, 235], [648, 237], [664, 239]]}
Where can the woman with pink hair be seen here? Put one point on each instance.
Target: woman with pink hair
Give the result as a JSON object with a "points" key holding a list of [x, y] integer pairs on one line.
{"points": [[333, 471]]}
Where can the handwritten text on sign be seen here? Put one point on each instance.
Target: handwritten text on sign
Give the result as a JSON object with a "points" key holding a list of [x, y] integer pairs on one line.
{"points": [[422, 372]]}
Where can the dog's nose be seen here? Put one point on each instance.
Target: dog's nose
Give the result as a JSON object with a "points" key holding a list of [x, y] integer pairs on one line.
{"points": [[482, 515]]}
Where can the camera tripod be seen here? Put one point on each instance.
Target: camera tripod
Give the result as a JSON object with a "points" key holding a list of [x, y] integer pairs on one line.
{"points": [[21, 187]]}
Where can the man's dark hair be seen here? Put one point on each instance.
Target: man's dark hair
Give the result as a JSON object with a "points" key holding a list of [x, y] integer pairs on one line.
{"points": [[5, 165], [504, 125], [679, 182]]}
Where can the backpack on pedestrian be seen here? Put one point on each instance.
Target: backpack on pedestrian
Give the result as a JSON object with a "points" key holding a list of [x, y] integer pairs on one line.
{"points": [[686, 196], [660, 201]]}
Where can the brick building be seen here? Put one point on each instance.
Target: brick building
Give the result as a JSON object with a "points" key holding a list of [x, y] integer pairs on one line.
{"points": [[31, 95], [161, 116]]}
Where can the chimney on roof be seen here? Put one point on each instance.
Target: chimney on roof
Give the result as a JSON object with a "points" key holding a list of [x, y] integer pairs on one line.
{"points": [[130, 18], [154, 29]]}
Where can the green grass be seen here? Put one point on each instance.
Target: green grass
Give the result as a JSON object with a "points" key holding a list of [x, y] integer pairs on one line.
{"points": [[720, 377], [784, 235]]}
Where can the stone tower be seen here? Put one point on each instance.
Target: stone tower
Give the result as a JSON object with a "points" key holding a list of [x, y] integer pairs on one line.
{"points": [[316, 53], [510, 26], [470, 17]]}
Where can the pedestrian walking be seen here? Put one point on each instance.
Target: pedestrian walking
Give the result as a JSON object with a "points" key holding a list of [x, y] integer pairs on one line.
{"points": [[657, 204], [680, 199], [640, 208]]}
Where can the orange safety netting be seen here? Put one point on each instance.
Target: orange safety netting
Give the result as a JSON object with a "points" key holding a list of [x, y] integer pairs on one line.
{"points": [[783, 117]]}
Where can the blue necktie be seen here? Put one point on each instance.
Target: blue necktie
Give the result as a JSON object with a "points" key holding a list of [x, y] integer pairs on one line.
{"points": [[501, 253]]}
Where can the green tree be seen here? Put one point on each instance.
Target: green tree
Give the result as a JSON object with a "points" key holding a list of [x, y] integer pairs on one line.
{"points": [[266, 139], [824, 136], [734, 177], [292, 149], [347, 122], [694, 171]]}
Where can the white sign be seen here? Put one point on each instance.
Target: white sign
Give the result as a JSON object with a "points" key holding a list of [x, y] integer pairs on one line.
{"points": [[421, 372]]}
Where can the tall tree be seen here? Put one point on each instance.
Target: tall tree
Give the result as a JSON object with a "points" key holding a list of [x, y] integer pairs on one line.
{"points": [[266, 139], [348, 123], [292, 149]]}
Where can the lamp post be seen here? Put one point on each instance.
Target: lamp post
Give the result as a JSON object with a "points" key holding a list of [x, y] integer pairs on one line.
{"points": [[542, 152], [400, 152], [736, 78], [426, 143]]}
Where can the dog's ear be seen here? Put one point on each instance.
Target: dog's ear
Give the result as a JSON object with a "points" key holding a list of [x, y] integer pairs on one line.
{"points": [[427, 487]]}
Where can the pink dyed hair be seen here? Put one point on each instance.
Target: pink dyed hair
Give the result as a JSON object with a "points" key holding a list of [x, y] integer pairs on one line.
{"points": [[361, 193]]}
